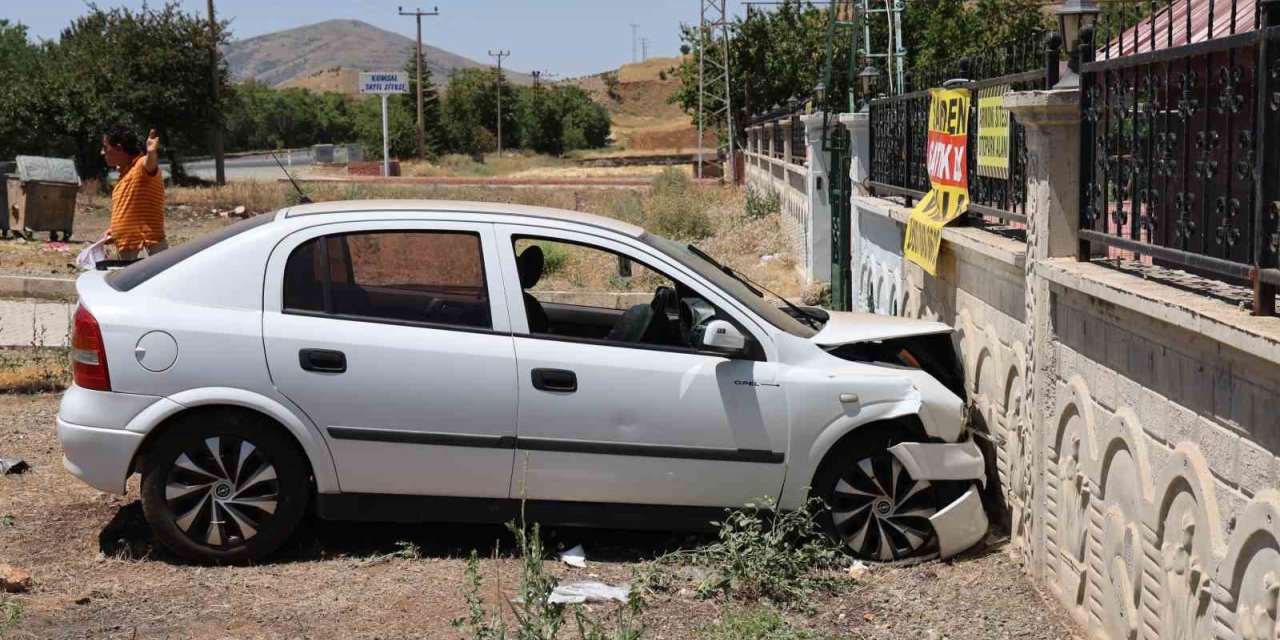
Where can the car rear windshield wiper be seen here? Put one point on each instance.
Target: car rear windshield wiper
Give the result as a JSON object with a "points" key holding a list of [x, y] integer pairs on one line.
{"points": [[755, 287]]}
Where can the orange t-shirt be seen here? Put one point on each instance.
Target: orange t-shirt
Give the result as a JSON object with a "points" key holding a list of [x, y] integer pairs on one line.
{"points": [[137, 207]]}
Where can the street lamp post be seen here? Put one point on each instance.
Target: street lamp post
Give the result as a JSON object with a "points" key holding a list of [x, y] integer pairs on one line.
{"points": [[1074, 17]]}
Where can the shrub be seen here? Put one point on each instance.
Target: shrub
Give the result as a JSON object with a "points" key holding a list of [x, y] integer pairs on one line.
{"points": [[676, 209], [762, 203], [760, 554]]}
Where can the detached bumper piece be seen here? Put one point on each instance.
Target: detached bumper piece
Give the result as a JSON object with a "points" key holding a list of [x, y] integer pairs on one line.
{"points": [[963, 523]]}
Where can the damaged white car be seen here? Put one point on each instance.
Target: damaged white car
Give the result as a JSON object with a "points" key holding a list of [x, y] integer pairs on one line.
{"points": [[442, 361]]}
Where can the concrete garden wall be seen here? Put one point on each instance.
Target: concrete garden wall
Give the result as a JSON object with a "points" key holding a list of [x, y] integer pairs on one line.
{"points": [[1137, 426]]}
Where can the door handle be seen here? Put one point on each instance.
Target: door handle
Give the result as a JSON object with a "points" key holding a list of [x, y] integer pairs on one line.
{"points": [[322, 360], [555, 380]]}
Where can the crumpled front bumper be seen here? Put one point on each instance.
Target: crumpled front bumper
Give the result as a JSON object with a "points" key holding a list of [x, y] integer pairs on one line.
{"points": [[963, 523]]}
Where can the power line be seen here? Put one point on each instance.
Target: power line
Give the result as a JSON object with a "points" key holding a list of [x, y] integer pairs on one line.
{"points": [[499, 55], [644, 49], [634, 26], [417, 59]]}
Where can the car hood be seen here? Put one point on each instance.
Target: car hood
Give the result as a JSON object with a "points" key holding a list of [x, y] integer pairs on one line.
{"points": [[848, 328]]}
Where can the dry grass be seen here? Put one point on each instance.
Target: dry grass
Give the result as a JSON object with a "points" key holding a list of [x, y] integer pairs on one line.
{"points": [[97, 573], [713, 216], [34, 370], [454, 165]]}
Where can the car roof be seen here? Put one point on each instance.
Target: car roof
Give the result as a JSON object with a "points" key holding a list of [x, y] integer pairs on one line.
{"points": [[464, 207]]}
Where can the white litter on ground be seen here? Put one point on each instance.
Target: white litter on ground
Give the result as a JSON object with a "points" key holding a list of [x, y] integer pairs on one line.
{"points": [[583, 592], [575, 557]]}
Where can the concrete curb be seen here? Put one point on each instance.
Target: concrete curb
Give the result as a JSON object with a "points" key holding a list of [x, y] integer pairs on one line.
{"points": [[37, 287]]}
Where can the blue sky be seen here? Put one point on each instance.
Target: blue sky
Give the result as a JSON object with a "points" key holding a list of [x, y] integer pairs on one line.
{"points": [[566, 37]]}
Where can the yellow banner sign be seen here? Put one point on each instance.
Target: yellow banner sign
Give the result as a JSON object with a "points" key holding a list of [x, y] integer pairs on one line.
{"points": [[947, 158], [993, 133]]}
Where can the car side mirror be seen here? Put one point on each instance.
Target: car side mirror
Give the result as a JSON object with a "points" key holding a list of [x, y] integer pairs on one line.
{"points": [[721, 335]]}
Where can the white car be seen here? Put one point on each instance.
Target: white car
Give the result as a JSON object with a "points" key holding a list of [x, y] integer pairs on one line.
{"points": [[401, 361]]}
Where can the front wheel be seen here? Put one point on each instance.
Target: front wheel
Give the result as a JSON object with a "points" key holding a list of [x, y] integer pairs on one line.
{"points": [[224, 487], [873, 505]]}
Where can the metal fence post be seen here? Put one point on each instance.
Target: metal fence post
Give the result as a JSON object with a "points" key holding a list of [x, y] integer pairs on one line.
{"points": [[1052, 59], [1085, 50], [1266, 208]]}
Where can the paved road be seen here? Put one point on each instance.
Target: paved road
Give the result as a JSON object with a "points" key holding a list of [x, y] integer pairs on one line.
{"points": [[259, 167], [40, 322]]}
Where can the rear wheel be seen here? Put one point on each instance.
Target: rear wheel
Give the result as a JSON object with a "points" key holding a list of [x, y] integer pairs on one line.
{"points": [[224, 487]]}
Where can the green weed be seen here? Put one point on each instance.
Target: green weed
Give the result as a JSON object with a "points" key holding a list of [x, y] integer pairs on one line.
{"points": [[405, 550], [535, 617], [10, 614], [758, 623], [6, 521], [761, 203], [762, 554], [676, 208]]}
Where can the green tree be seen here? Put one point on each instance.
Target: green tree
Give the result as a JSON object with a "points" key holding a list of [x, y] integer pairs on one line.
{"points": [[777, 56], [432, 131], [469, 111], [585, 123], [150, 67], [402, 129], [22, 78]]}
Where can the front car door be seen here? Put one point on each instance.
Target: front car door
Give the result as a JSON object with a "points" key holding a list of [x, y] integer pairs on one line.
{"points": [[392, 336], [614, 404]]}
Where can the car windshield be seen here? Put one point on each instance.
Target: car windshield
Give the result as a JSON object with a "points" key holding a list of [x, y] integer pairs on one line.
{"points": [[730, 285]]}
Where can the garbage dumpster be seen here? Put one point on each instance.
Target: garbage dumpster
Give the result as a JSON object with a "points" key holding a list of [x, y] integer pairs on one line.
{"points": [[42, 196]]}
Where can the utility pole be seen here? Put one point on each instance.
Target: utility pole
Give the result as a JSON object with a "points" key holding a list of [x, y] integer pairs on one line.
{"points": [[633, 26], [417, 59], [539, 75], [644, 49], [714, 108], [499, 55], [219, 162]]}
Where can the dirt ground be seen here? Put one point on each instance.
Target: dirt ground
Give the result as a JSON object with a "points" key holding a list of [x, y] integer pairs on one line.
{"points": [[96, 574]]}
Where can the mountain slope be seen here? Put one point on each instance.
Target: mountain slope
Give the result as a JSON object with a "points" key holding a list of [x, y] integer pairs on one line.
{"points": [[642, 117], [322, 49]]}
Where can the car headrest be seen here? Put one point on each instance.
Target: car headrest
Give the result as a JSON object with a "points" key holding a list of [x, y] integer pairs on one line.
{"points": [[529, 266]]}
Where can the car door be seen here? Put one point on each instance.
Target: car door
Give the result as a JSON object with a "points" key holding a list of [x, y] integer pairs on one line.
{"points": [[602, 419], [393, 337]]}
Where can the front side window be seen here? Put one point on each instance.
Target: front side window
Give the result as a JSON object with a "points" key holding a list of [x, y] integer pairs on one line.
{"points": [[427, 277], [581, 291]]}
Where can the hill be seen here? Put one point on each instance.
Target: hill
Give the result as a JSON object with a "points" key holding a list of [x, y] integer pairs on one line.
{"points": [[326, 56], [642, 117]]}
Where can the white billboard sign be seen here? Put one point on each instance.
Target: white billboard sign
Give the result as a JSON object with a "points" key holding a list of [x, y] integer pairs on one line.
{"points": [[384, 82]]}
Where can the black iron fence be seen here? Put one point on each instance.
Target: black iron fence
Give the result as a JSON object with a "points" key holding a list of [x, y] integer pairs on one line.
{"points": [[1180, 102], [899, 127]]}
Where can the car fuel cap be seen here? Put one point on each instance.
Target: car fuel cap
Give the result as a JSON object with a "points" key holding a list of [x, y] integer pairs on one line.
{"points": [[156, 351]]}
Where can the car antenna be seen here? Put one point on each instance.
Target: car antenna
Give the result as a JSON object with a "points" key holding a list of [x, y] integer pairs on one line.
{"points": [[302, 196]]}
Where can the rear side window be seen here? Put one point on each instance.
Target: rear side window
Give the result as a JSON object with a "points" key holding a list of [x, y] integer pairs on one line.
{"points": [[414, 277], [144, 270]]}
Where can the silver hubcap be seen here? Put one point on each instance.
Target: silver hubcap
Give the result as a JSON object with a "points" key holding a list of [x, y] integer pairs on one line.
{"points": [[880, 511], [222, 491]]}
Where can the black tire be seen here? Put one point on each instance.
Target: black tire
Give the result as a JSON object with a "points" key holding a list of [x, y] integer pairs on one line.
{"points": [[877, 526], [230, 513]]}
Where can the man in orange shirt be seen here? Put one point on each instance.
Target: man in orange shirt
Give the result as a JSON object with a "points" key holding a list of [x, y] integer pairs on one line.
{"points": [[137, 201]]}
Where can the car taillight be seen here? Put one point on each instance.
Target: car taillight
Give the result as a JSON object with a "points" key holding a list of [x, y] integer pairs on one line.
{"points": [[88, 353]]}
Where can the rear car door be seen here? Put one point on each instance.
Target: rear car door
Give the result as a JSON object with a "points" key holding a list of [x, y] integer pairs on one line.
{"points": [[615, 413], [393, 338]]}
